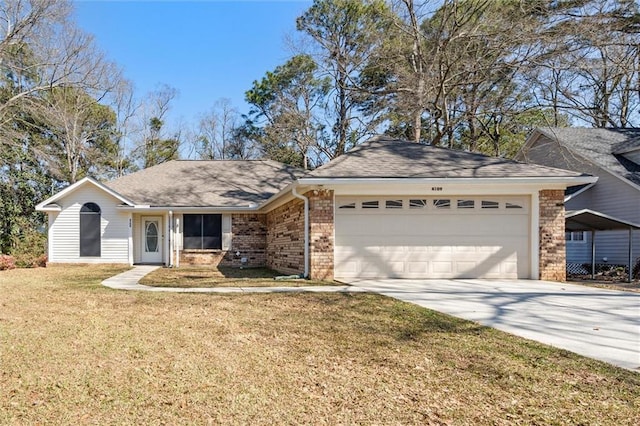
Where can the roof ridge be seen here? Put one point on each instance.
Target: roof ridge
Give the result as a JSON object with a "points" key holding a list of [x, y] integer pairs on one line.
{"points": [[221, 159]]}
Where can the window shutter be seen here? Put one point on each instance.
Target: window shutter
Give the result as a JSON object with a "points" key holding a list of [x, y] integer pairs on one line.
{"points": [[226, 232]]}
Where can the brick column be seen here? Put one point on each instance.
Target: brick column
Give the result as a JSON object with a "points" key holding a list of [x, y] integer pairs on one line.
{"points": [[320, 234], [553, 262]]}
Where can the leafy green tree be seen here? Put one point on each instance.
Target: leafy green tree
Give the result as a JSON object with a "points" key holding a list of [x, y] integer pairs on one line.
{"points": [[23, 183], [284, 111]]}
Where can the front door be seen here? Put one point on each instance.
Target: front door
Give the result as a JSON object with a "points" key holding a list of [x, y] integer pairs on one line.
{"points": [[151, 239]]}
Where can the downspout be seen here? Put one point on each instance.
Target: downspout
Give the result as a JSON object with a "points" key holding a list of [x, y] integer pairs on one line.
{"points": [[171, 239], [306, 230], [177, 229], [630, 254]]}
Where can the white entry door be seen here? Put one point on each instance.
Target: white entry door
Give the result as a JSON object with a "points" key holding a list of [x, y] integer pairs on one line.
{"points": [[151, 240]]}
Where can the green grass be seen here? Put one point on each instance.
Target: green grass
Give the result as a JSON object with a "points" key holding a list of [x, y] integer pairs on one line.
{"points": [[74, 352], [206, 276]]}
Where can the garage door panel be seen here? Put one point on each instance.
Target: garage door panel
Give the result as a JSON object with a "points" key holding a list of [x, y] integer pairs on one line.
{"points": [[441, 267], [417, 267], [458, 244], [428, 244]]}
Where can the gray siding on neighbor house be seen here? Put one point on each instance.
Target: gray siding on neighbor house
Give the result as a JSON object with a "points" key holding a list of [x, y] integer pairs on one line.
{"points": [[64, 232], [614, 245], [611, 195]]}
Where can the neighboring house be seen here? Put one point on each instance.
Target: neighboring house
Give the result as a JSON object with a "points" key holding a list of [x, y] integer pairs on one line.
{"points": [[386, 208], [613, 155]]}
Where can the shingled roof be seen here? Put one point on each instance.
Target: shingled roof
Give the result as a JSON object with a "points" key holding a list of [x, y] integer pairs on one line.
{"points": [[384, 157], [604, 147], [213, 183]]}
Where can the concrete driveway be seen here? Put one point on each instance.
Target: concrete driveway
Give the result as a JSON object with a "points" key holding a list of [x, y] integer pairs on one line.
{"points": [[601, 324]]}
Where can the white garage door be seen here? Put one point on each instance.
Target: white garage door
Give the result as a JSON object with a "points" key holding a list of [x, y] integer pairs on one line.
{"points": [[432, 237]]}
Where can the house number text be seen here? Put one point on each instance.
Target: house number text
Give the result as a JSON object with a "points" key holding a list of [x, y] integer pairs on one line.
{"points": [[436, 188]]}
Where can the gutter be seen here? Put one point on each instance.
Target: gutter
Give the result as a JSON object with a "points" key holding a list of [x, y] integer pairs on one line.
{"points": [[306, 229], [569, 180], [171, 242], [147, 208]]}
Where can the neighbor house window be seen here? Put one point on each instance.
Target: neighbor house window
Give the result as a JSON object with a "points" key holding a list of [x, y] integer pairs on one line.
{"points": [[202, 231], [90, 230], [577, 236]]}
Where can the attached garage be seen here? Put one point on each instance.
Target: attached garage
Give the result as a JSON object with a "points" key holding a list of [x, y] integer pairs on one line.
{"points": [[432, 237]]}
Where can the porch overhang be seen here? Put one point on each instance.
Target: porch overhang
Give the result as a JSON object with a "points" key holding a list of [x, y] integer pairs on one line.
{"points": [[592, 221]]}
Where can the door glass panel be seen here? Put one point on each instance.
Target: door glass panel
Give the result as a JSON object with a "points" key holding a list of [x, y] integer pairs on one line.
{"points": [[151, 240]]}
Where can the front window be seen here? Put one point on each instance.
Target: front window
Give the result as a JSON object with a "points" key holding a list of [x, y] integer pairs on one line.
{"points": [[202, 231]]}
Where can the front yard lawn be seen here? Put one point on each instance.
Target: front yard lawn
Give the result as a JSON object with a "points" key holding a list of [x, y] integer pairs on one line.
{"points": [[74, 352], [207, 276]]}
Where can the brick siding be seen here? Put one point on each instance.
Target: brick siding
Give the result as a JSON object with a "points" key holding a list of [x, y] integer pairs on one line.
{"points": [[285, 238], [249, 237], [552, 239]]}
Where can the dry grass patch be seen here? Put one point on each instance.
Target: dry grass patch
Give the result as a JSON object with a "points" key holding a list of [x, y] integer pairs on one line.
{"points": [[207, 276], [72, 351]]}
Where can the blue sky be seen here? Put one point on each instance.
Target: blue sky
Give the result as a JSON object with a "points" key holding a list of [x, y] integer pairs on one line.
{"points": [[206, 49]]}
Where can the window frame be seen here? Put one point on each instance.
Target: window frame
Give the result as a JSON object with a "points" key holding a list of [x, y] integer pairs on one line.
{"points": [[189, 236], [573, 240]]}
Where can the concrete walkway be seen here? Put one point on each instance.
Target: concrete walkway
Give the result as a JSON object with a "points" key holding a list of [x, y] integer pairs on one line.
{"points": [[129, 281], [597, 323]]}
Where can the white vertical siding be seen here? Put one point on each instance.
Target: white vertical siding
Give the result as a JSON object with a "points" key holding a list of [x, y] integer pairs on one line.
{"points": [[64, 234]]}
